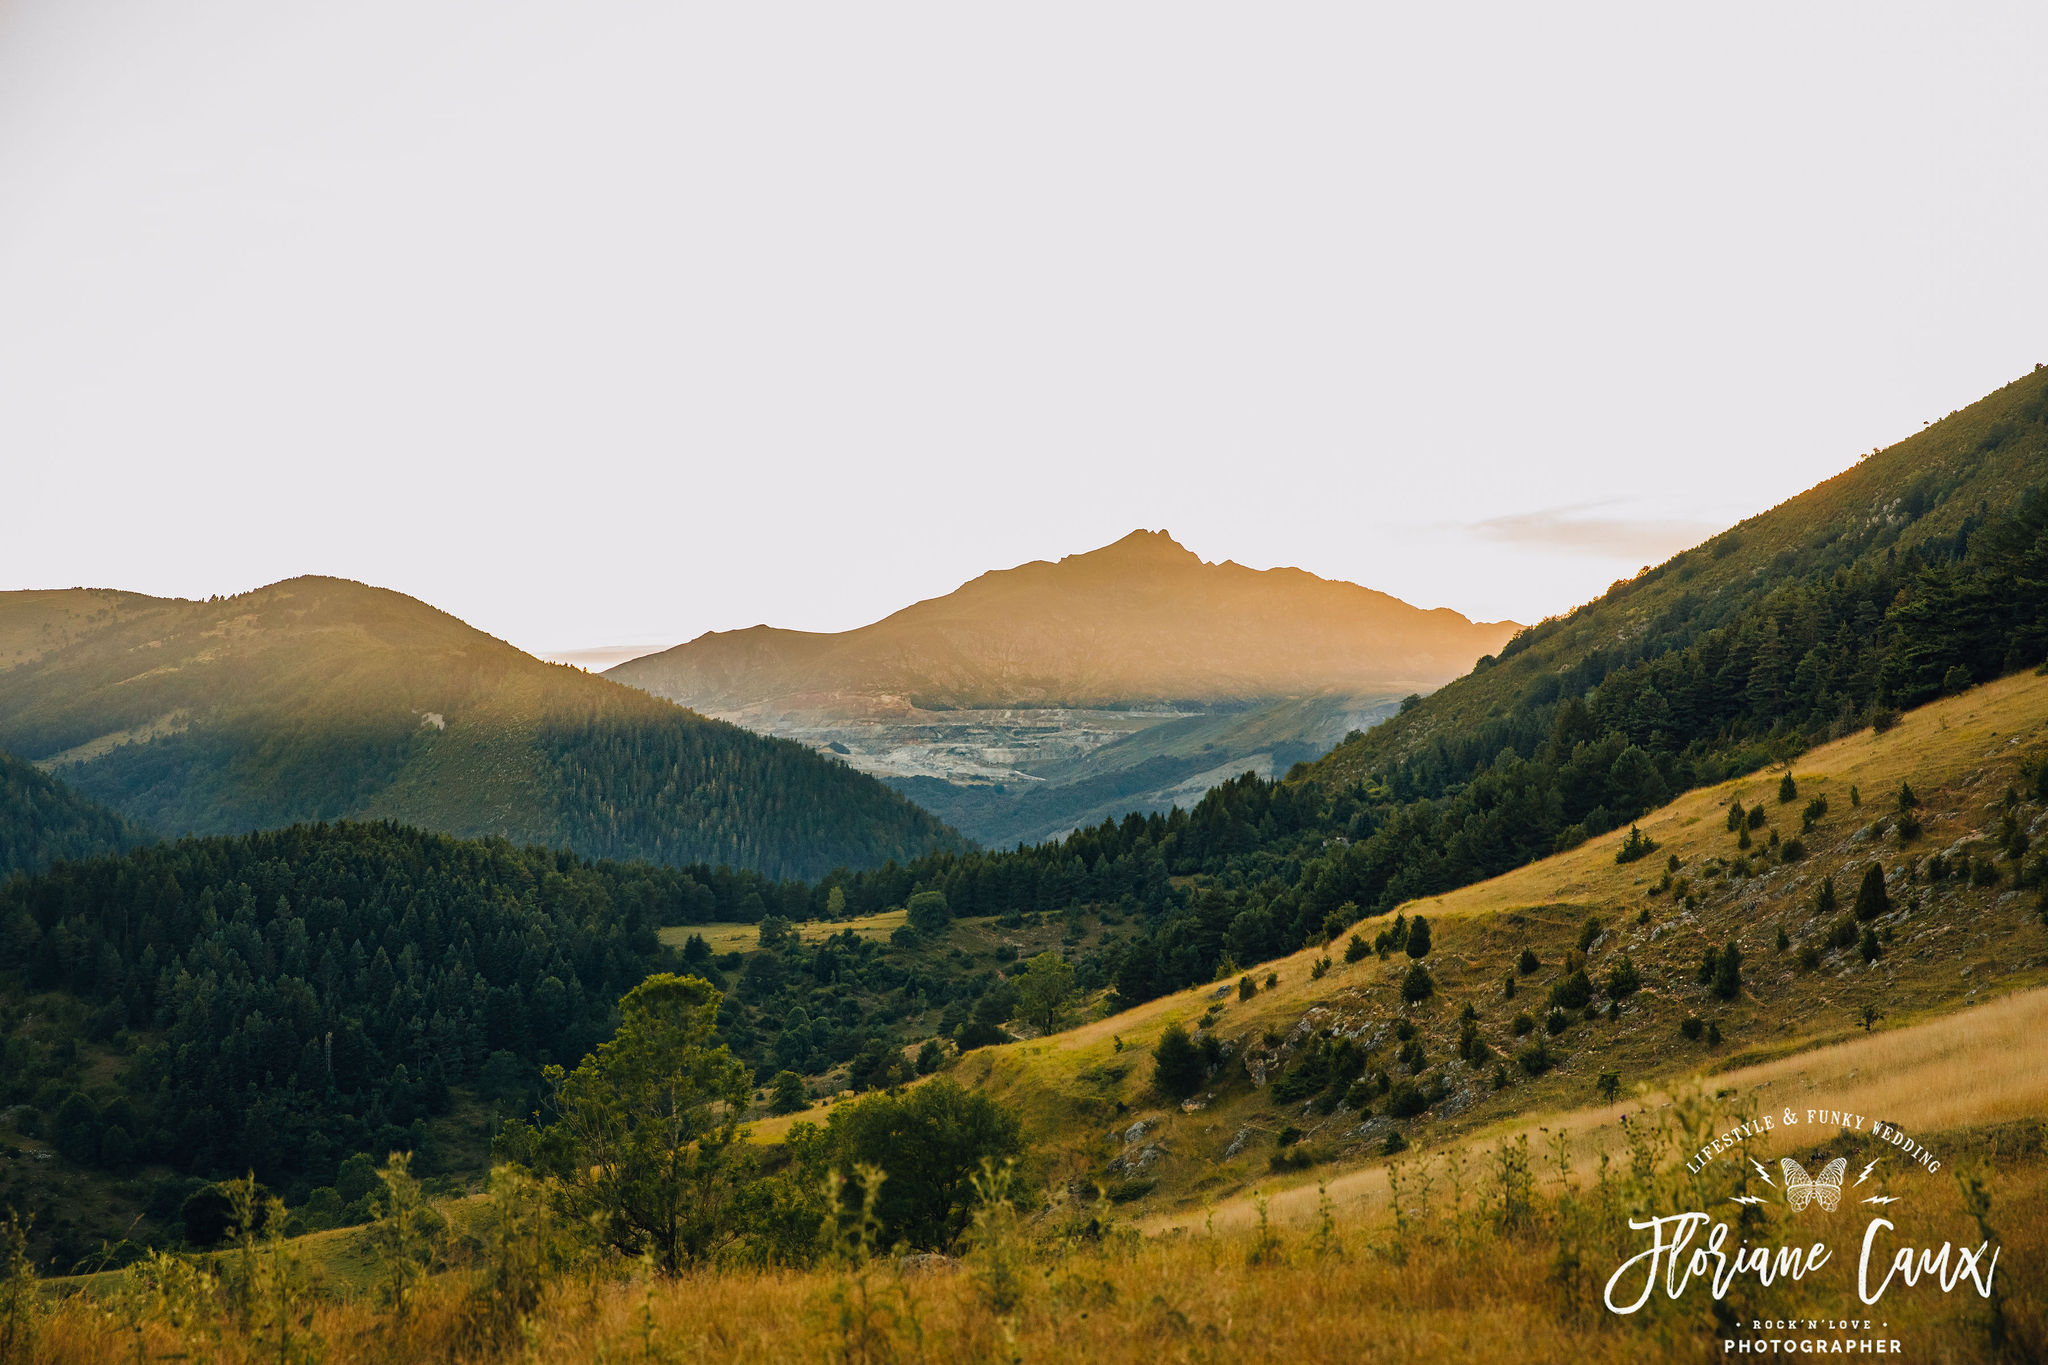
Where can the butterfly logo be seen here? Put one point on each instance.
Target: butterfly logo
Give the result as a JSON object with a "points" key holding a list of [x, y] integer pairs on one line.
{"points": [[1824, 1189]]}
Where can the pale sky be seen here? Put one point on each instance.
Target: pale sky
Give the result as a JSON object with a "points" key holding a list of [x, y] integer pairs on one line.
{"points": [[621, 321]]}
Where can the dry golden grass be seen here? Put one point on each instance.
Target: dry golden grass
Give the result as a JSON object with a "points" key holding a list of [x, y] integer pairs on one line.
{"points": [[725, 937], [1447, 1286], [1978, 1067], [1309, 1282]]}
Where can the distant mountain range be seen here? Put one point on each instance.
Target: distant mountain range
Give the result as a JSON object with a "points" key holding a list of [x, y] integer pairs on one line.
{"points": [[1015, 705], [319, 698]]}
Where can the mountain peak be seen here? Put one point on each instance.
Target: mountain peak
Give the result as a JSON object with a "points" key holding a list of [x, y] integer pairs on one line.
{"points": [[1141, 544]]}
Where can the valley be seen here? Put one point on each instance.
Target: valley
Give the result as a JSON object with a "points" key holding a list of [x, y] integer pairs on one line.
{"points": [[1037, 699]]}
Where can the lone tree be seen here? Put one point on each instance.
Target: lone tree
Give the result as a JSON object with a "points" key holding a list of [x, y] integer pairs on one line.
{"points": [[1418, 938], [1871, 900], [788, 1094], [643, 1141], [1043, 989], [928, 912], [1177, 1064]]}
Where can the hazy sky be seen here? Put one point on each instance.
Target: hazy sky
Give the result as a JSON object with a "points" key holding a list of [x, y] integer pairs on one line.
{"points": [[622, 321]]}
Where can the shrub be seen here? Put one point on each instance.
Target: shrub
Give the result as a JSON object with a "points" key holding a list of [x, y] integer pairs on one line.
{"points": [[1690, 1028], [1589, 933], [1472, 1048], [1714, 1033], [1788, 790], [1756, 817], [1957, 679], [1884, 718], [1357, 950], [1556, 1022], [1870, 947], [1792, 850], [1637, 845], [1811, 816], [1535, 1059], [1622, 978], [1406, 1100], [1528, 962], [928, 912], [1178, 1068], [1418, 938], [1319, 969], [1824, 902], [1843, 935], [1608, 1085], [788, 1093], [1735, 816], [1809, 958], [1871, 900], [1248, 988], [1523, 1025], [1418, 985], [1726, 977], [1572, 992]]}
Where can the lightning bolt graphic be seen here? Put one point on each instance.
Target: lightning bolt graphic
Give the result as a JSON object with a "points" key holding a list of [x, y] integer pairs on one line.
{"points": [[1747, 1199], [1882, 1199], [1761, 1171], [1866, 1172]]}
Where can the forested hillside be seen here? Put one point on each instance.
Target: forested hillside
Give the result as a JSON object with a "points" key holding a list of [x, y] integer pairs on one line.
{"points": [[318, 699], [42, 820], [311, 992]]}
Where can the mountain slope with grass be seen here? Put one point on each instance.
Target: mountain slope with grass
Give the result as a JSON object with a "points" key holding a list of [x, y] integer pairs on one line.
{"points": [[1787, 628], [319, 698], [1716, 948]]}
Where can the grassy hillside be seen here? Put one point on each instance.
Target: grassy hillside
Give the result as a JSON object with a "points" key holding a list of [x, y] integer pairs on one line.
{"points": [[42, 820], [1949, 941], [319, 699], [1924, 497]]}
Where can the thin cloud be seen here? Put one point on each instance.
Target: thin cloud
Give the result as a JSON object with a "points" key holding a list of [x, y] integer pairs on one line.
{"points": [[1586, 531]]}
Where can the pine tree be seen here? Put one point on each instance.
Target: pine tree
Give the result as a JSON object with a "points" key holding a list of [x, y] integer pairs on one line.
{"points": [[1177, 1065], [1788, 790], [1418, 938], [1871, 900]]}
